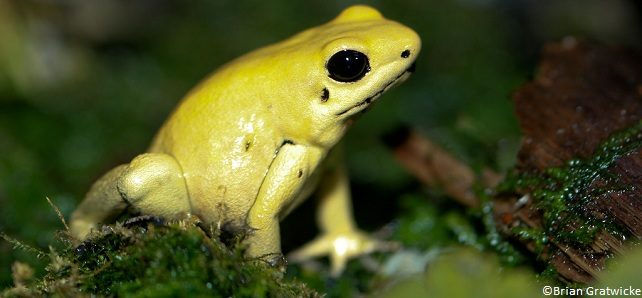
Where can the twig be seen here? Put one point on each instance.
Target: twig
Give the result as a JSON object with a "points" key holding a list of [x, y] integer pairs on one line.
{"points": [[435, 167], [62, 218]]}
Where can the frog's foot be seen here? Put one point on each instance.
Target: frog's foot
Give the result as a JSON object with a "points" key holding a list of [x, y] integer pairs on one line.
{"points": [[276, 260], [340, 247], [80, 228]]}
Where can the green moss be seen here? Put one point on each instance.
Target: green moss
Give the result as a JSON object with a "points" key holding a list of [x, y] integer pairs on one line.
{"points": [[426, 226], [538, 237], [508, 255], [565, 195], [548, 275], [176, 259], [421, 225]]}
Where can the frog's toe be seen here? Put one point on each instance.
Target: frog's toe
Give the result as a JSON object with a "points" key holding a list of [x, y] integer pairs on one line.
{"points": [[80, 229], [276, 260], [340, 247]]}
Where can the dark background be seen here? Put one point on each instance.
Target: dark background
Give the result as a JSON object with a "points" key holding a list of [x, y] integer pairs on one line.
{"points": [[85, 84]]}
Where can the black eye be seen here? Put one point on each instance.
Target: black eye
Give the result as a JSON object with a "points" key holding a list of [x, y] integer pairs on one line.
{"points": [[348, 66]]}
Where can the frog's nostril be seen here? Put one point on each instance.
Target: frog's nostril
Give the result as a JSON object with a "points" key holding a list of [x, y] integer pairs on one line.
{"points": [[405, 54]]}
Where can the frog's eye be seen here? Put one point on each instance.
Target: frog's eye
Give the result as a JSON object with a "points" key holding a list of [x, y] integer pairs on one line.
{"points": [[348, 66]]}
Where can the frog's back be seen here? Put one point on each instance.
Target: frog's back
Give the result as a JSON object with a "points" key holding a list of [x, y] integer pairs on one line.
{"points": [[226, 132]]}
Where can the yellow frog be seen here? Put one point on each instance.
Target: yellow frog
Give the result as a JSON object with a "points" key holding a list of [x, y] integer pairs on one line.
{"points": [[253, 140]]}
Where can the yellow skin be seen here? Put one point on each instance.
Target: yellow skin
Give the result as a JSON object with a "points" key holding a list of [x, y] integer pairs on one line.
{"points": [[252, 141]]}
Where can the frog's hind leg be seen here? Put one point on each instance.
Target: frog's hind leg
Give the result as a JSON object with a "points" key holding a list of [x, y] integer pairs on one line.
{"points": [[102, 203], [152, 183]]}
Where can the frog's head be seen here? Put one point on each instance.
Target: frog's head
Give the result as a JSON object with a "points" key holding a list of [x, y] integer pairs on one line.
{"points": [[369, 56], [333, 72]]}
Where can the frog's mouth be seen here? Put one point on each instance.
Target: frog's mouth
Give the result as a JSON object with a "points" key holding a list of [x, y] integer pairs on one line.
{"points": [[370, 99]]}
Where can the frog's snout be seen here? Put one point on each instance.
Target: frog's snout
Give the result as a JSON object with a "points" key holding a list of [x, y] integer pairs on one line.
{"points": [[412, 67], [406, 54]]}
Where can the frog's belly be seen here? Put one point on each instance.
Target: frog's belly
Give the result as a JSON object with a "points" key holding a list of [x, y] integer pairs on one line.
{"points": [[223, 174], [223, 189]]}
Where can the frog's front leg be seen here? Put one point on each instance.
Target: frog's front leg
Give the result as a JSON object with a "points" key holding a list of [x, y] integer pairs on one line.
{"points": [[340, 238], [151, 183], [282, 184]]}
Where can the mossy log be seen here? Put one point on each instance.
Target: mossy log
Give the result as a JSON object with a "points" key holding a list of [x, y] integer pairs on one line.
{"points": [[576, 195], [574, 198]]}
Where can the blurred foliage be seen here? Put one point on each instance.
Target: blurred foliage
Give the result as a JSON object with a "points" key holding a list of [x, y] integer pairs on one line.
{"points": [[466, 273], [624, 271], [85, 84]]}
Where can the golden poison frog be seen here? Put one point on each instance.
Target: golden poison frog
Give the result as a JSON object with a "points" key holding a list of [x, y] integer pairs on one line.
{"points": [[254, 139]]}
